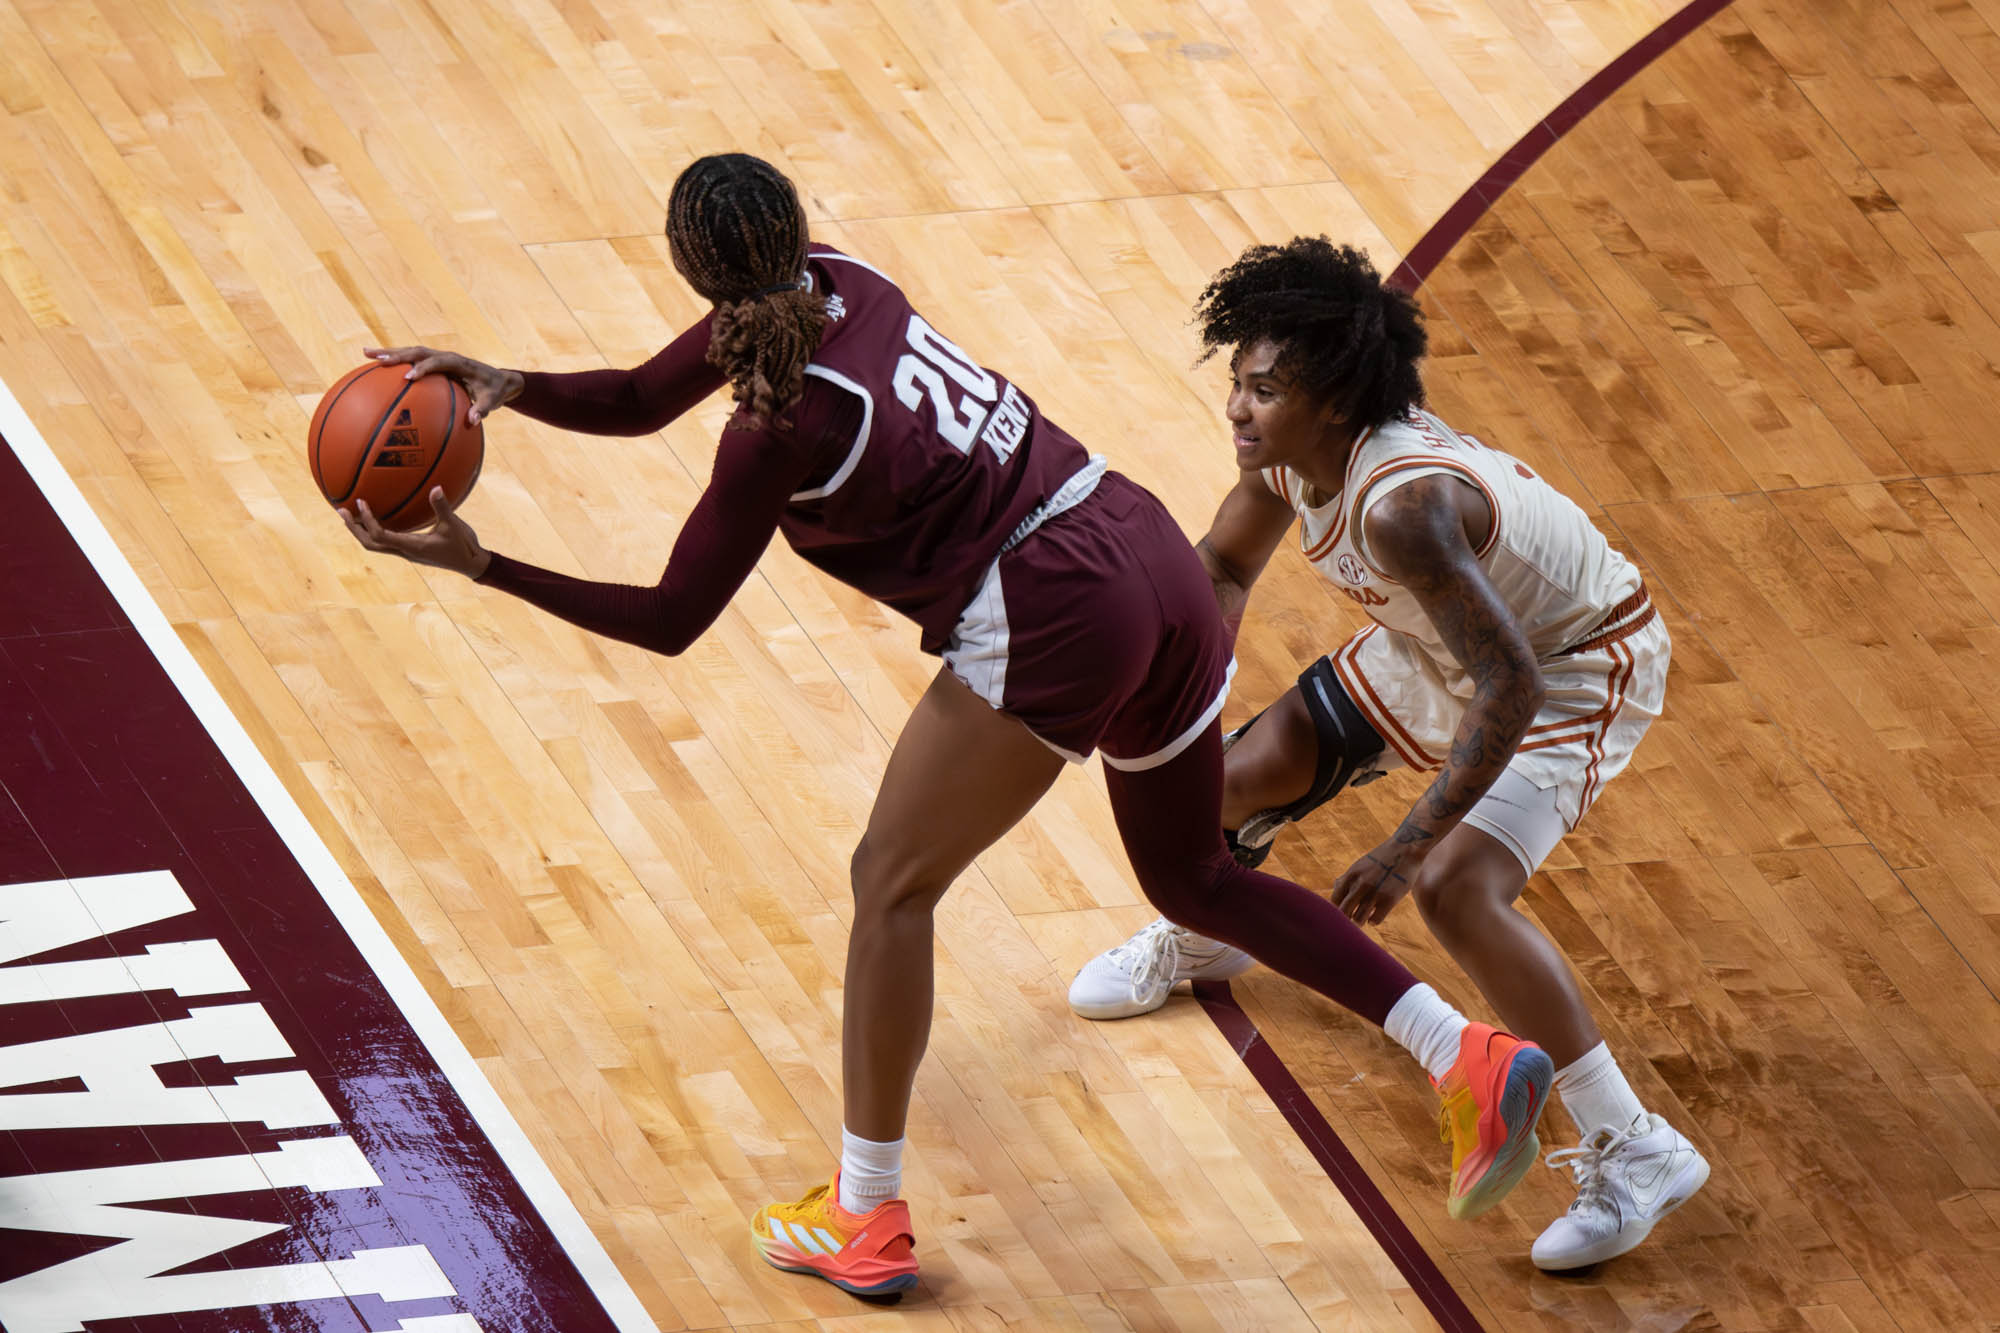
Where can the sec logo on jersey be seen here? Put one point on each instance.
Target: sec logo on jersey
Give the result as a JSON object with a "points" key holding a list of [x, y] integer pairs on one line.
{"points": [[1351, 568]]}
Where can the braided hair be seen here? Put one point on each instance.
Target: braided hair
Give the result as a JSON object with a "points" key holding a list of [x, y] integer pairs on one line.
{"points": [[738, 234], [1342, 336]]}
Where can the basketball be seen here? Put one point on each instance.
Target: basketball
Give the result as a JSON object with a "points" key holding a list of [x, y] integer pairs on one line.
{"points": [[379, 437]]}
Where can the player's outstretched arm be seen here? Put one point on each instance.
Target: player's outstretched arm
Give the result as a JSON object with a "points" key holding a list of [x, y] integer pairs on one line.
{"points": [[1248, 525], [756, 473], [1417, 536], [638, 401]]}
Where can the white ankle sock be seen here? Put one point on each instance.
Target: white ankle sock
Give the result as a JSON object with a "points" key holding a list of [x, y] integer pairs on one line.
{"points": [[1427, 1027], [1595, 1093], [870, 1172]]}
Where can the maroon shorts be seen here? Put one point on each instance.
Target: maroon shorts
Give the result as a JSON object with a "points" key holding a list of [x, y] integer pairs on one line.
{"points": [[1100, 631]]}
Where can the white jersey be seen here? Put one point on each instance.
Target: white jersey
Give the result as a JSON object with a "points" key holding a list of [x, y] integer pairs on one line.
{"points": [[1544, 556], [1604, 652]]}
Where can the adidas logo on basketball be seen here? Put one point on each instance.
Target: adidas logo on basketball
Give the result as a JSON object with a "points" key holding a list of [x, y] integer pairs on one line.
{"points": [[403, 448]]}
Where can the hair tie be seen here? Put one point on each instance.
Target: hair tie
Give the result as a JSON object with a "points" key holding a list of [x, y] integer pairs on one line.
{"points": [[791, 286]]}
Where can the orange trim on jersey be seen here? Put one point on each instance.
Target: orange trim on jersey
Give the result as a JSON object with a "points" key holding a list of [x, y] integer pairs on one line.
{"points": [[1274, 479], [1550, 742], [1410, 461], [1364, 696], [1610, 642], [1593, 729], [1579, 725], [1620, 682], [1628, 618], [1339, 528], [1331, 540]]}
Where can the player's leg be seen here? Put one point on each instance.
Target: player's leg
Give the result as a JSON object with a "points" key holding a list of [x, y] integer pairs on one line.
{"points": [[1466, 893], [961, 775], [1269, 761], [1287, 761], [1632, 1168], [1493, 1085]]}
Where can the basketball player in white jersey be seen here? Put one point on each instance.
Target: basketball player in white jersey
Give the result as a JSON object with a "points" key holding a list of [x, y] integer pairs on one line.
{"points": [[1512, 652]]}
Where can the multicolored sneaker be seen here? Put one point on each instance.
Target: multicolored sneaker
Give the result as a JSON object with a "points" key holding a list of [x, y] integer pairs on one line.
{"points": [[869, 1254], [1491, 1100]]}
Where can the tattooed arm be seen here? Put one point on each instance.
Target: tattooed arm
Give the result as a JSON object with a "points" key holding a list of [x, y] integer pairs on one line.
{"points": [[1249, 524], [1423, 535]]}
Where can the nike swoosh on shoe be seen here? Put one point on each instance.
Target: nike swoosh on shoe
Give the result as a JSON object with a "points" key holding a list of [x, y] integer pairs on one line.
{"points": [[1646, 1193]]}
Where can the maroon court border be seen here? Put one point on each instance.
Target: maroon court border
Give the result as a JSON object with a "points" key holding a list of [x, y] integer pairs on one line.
{"points": [[105, 769], [1265, 1064]]}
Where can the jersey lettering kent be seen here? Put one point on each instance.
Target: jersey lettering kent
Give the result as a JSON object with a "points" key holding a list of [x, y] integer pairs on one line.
{"points": [[930, 459], [923, 370]]}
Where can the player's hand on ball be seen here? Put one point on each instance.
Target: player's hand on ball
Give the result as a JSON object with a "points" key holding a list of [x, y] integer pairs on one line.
{"points": [[489, 387], [449, 543]]}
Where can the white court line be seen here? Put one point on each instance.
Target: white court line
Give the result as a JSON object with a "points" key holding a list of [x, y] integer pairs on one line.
{"points": [[492, 1115]]}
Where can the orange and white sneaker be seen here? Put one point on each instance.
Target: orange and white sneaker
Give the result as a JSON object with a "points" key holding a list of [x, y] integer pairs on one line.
{"points": [[1491, 1100], [869, 1254]]}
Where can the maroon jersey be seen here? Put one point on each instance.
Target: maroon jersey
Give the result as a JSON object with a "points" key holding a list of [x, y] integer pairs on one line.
{"points": [[946, 457], [902, 470]]}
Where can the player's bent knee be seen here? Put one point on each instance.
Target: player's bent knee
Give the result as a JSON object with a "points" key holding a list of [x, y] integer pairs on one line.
{"points": [[1432, 893], [886, 879], [1319, 721], [1273, 759], [1457, 895], [1194, 893], [1294, 721]]}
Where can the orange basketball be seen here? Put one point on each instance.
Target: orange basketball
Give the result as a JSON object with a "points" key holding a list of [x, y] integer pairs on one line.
{"points": [[388, 440]]}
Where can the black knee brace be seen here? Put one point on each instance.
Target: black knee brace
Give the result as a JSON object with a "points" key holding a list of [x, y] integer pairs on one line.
{"points": [[1350, 752]]}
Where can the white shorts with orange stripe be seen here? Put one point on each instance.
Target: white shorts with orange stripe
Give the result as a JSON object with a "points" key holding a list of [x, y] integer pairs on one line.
{"points": [[1599, 705]]}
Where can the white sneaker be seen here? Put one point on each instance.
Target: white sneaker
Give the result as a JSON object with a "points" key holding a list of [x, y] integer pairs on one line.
{"points": [[1134, 978], [1626, 1180]]}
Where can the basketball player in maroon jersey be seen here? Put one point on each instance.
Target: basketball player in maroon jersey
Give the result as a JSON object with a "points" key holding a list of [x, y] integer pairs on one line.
{"points": [[1069, 611]]}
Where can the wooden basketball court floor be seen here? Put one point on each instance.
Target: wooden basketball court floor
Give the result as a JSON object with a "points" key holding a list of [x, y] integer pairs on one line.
{"points": [[1743, 309]]}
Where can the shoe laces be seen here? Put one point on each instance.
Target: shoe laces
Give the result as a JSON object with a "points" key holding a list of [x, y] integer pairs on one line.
{"points": [[812, 1208], [1458, 1120], [1590, 1163], [1153, 953]]}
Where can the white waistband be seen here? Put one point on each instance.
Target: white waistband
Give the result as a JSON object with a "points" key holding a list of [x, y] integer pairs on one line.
{"points": [[1068, 495]]}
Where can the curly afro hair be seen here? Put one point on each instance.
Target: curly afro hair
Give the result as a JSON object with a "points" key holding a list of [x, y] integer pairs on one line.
{"points": [[1341, 335]]}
